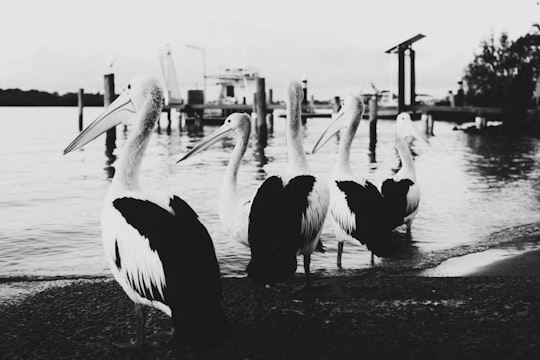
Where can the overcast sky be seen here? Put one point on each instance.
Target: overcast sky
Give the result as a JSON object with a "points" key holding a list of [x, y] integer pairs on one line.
{"points": [[337, 45]]}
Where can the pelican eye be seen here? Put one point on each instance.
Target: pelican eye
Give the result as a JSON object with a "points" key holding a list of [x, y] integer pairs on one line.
{"points": [[129, 86]]}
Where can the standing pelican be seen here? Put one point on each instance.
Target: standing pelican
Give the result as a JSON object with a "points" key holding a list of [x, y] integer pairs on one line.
{"points": [[401, 192], [156, 247], [286, 214], [233, 209], [356, 205]]}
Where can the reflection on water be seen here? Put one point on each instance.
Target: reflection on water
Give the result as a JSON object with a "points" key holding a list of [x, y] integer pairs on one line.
{"points": [[110, 158], [471, 185]]}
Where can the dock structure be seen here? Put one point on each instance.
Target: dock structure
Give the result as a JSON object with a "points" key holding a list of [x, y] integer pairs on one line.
{"points": [[400, 49]]}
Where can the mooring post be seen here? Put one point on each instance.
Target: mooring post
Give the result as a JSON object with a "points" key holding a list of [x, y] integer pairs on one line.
{"points": [[304, 100], [424, 118], [108, 98], [337, 104], [401, 79], [80, 105], [270, 116], [262, 130], [195, 97], [169, 120], [373, 114], [255, 130], [413, 77]]}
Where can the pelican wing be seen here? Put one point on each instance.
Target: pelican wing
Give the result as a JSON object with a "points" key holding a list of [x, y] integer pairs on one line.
{"points": [[185, 257], [363, 216], [401, 199], [307, 204], [273, 254]]}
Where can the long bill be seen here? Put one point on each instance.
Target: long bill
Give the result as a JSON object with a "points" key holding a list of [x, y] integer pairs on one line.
{"points": [[207, 142], [108, 119], [335, 126]]}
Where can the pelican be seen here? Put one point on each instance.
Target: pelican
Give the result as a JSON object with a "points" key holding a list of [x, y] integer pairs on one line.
{"points": [[232, 208], [285, 216], [157, 249], [356, 205], [401, 192]]}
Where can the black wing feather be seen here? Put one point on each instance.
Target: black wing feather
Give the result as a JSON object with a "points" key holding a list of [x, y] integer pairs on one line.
{"points": [[186, 250], [395, 200], [366, 203], [271, 258]]}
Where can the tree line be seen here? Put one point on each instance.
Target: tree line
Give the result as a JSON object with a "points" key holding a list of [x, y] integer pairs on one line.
{"points": [[18, 97], [504, 73]]}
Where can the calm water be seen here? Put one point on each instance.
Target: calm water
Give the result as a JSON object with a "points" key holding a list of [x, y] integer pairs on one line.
{"points": [[50, 204]]}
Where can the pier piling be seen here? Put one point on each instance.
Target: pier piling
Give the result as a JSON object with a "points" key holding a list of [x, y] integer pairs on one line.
{"points": [[337, 104], [427, 119], [270, 116], [108, 98], [262, 130], [304, 100], [80, 106], [195, 97], [373, 114]]}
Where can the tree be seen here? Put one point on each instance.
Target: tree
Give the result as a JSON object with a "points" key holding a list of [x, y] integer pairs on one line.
{"points": [[503, 74]]}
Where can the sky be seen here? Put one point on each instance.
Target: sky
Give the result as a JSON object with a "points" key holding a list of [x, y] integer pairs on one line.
{"points": [[337, 45]]}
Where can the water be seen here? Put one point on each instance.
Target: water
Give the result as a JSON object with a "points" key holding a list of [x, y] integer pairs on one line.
{"points": [[50, 204]]}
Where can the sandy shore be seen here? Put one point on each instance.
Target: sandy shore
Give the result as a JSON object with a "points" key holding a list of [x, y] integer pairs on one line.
{"points": [[369, 315], [493, 313], [525, 264]]}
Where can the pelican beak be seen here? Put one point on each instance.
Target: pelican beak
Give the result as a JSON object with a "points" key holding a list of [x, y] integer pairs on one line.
{"points": [[108, 119], [335, 126], [208, 141]]}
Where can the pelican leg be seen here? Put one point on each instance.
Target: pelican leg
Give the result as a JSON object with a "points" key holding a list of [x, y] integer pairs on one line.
{"points": [[139, 342], [408, 223], [372, 259], [339, 253], [307, 262]]}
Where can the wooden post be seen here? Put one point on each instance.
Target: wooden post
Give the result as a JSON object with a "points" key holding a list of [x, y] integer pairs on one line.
{"points": [[262, 130], [81, 105], [270, 116], [304, 100], [431, 123], [169, 120], [108, 98], [413, 77], [337, 104], [401, 79], [195, 97], [424, 119], [373, 114]]}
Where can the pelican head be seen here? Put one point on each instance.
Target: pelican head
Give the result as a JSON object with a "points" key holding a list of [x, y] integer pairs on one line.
{"points": [[143, 94], [237, 122], [405, 127], [353, 108]]}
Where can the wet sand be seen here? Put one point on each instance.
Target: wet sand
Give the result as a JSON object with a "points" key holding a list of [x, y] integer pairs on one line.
{"points": [[370, 315], [493, 313], [525, 264]]}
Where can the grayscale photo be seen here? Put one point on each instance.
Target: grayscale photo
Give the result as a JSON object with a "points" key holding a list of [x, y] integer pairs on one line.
{"points": [[261, 180]]}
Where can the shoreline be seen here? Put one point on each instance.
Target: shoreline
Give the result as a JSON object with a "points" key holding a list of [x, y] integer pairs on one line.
{"points": [[377, 313], [521, 261], [371, 316]]}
